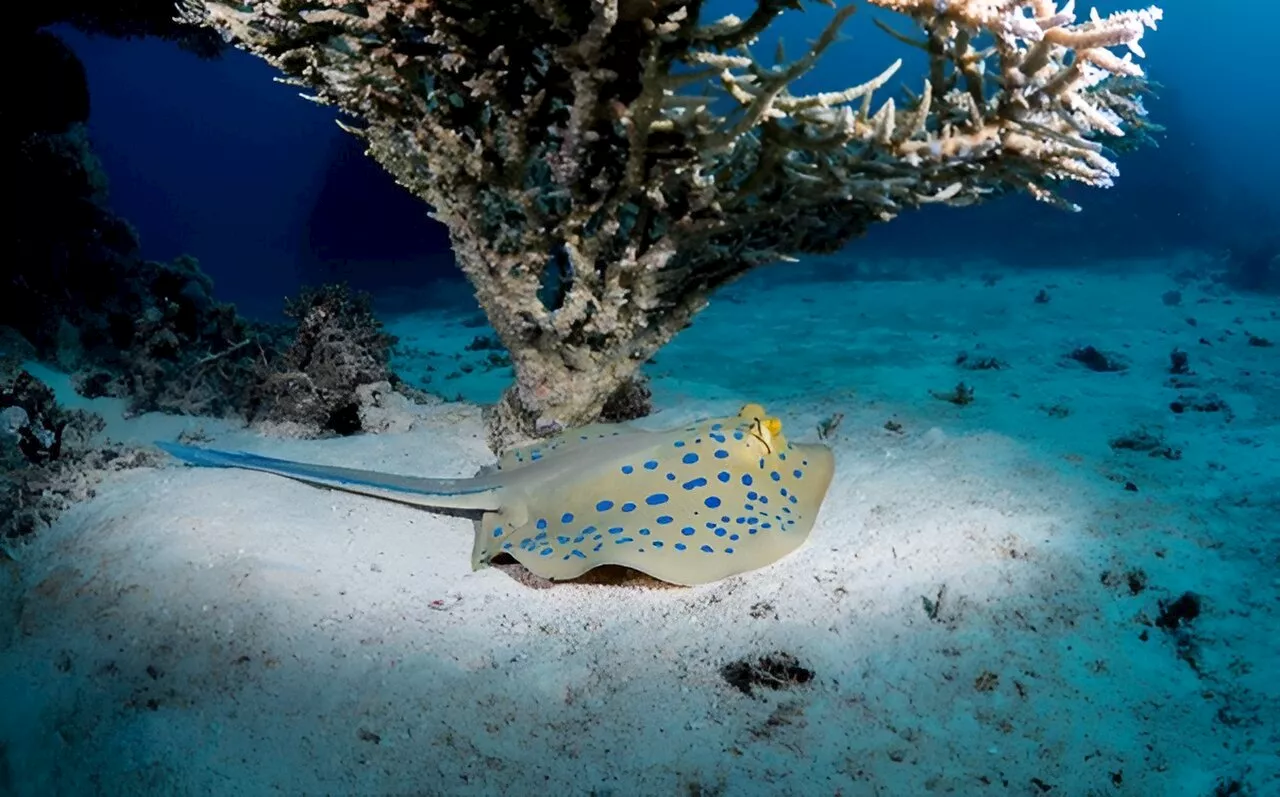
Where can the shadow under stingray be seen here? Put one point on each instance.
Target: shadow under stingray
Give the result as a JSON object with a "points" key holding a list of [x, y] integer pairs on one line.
{"points": [[601, 575]]}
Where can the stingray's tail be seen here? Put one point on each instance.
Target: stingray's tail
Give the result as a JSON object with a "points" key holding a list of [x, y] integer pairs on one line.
{"points": [[479, 493]]}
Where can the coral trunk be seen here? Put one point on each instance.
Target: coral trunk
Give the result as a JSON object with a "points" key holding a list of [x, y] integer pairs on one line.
{"points": [[550, 395]]}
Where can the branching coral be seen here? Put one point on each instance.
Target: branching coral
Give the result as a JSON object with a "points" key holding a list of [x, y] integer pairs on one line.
{"points": [[647, 157]]}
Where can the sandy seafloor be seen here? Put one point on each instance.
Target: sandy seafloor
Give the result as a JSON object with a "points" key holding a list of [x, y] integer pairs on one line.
{"points": [[977, 601]]}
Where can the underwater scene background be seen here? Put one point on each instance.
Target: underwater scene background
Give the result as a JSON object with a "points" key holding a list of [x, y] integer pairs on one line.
{"points": [[1048, 561]]}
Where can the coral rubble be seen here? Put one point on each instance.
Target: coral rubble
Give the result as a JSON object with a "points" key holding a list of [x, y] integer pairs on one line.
{"points": [[50, 456], [313, 387], [638, 156]]}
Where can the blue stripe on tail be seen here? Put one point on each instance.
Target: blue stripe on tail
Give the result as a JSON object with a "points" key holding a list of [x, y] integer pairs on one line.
{"points": [[332, 475], [210, 458]]}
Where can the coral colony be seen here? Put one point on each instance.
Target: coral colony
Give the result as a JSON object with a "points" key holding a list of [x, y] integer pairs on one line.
{"points": [[640, 156]]}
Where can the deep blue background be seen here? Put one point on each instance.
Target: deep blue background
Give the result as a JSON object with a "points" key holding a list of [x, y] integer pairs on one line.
{"points": [[214, 159]]}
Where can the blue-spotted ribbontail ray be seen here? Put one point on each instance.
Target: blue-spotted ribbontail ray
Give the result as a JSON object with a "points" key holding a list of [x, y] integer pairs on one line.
{"points": [[688, 506]]}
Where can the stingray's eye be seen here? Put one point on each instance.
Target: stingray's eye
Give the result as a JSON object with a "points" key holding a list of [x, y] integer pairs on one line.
{"points": [[774, 425], [760, 431]]}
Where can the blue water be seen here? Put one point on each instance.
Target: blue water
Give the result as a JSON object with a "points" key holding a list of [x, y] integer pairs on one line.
{"points": [[211, 158]]}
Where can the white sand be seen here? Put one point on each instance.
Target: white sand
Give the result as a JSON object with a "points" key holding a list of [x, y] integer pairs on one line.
{"points": [[195, 631]]}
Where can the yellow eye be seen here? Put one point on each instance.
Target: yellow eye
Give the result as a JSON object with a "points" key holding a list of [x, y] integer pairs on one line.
{"points": [[774, 425]]}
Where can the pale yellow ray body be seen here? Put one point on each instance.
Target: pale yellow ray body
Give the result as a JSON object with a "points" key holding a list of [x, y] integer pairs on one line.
{"points": [[688, 506]]}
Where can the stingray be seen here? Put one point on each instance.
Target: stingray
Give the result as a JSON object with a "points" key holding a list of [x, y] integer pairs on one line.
{"points": [[688, 506]]}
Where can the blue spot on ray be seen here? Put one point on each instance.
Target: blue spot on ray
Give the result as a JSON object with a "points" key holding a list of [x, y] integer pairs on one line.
{"points": [[656, 499]]}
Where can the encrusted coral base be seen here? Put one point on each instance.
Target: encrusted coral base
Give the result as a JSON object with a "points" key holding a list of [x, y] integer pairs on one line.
{"points": [[579, 398]]}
